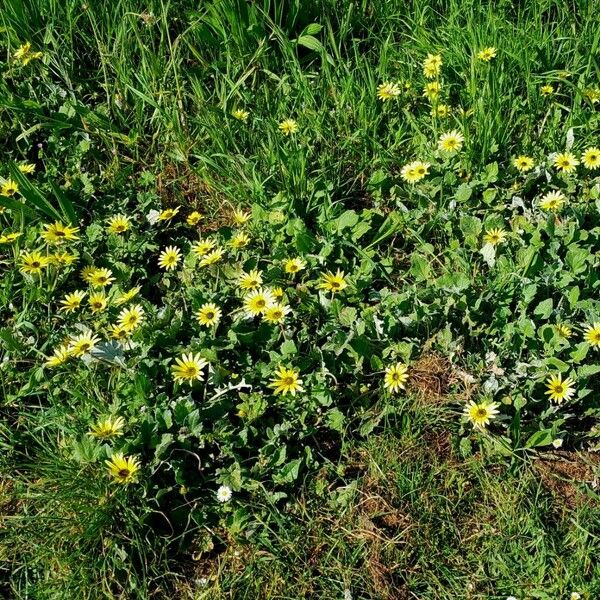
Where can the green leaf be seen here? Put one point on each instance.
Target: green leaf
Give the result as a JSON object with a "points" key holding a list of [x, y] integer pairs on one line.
{"points": [[463, 192], [310, 42], [544, 309], [419, 267], [540, 438], [289, 472], [312, 29], [335, 420], [288, 347], [347, 219]]}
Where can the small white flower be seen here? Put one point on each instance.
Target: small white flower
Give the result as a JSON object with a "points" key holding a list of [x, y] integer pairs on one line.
{"points": [[557, 443], [224, 493], [575, 596], [347, 595], [510, 598], [152, 216]]}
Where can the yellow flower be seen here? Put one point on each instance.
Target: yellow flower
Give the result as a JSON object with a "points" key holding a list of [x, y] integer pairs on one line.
{"points": [[33, 262], [57, 233], [240, 240], [131, 318], [566, 162], [387, 91], [27, 168], [432, 90], [60, 356], [117, 332], [591, 158], [432, 65], [212, 257], [414, 171], [288, 126], [494, 236], [62, 258], [564, 330], [592, 94], [333, 283], [123, 468], [481, 414], [188, 368], [250, 281], [286, 381], [293, 265], [276, 313], [240, 217], [127, 296], [82, 343], [87, 272], [118, 224], [441, 110], [487, 54], [97, 302], [9, 188], [203, 247], [7, 238], [168, 214], [552, 201], [523, 163], [592, 334], [107, 428], [72, 302], [547, 90], [395, 377], [240, 115], [169, 258], [101, 277], [25, 55], [277, 293], [559, 389], [194, 218], [257, 302], [451, 141], [208, 314]]}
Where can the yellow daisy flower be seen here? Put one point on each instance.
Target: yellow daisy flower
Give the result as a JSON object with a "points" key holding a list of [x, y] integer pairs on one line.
{"points": [[432, 65], [480, 414], [101, 277], [27, 168], [333, 283], [71, 302], [494, 236], [276, 313], [240, 240], [250, 281], [414, 171], [277, 293], [57, 233], [592, 334], [257, 302], [60, 356], [564, 330], [169, 258], [25, 55], [487, 54], [441, 110], [395, 377], [288, 126], [432, 90], [293, 265], [591, 158], [62, 258], [240, 217], [82, 343], [131, 318], [203, 247], [552, 201], [566, 162], [194, 218], [7, 238], [9, 188], [559, 389], [547, 90], [286, 381], [123, 468], [117, 332], [212, 257], [87, 272], [118, 224], [523, 163], [240, 115], [97, 302], [451, 141], [188, 368], [388, 91], [208, 314], [107, 428], [168, 214], [32, 263]]}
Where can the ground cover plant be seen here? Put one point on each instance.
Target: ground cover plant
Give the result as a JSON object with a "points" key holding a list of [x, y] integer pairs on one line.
{"points": [[299, 300]]}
